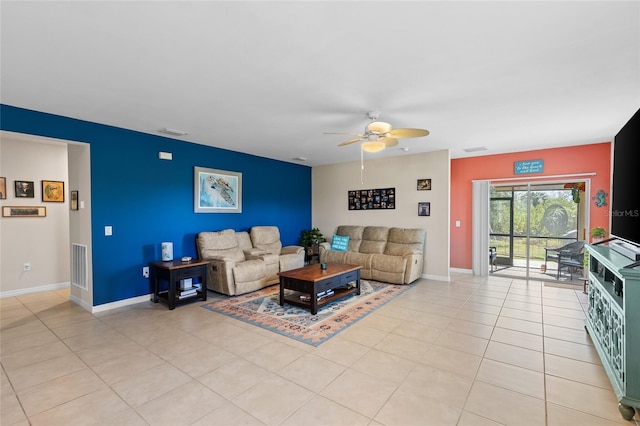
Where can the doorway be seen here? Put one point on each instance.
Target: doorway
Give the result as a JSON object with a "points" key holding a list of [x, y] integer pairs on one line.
{"points": [[528, 220]]}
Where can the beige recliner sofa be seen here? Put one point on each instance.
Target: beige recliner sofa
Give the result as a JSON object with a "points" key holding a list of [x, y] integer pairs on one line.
{"points": [[393, 255], [236, 266]]}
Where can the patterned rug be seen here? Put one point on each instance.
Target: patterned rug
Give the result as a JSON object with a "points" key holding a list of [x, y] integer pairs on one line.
{"points": [[261, 308]]}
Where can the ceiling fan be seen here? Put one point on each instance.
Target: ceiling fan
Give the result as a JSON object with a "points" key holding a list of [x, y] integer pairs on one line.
{"points": [[379, 135]]}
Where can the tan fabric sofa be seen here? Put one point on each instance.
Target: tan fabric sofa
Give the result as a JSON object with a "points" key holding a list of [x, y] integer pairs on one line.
{"points": [[393, 255], [237, 266]]}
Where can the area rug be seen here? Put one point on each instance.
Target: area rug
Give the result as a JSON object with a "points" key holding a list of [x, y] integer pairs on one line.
{"points": [[261, 308]]}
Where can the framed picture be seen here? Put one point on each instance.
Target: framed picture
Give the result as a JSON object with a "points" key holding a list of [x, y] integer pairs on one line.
{"points": [[371, 199], [424, 184], [3, 188], [74, 200], [216, 191], [53, 191], [24, 188], [24, 211], [424, 209]]}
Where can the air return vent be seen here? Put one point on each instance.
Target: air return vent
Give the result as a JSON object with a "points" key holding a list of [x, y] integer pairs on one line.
{"points": [[79, 267]]}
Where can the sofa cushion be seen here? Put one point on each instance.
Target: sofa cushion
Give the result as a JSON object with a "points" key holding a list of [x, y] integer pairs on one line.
{"points": [[374, 239], [266, 238], [403, 241], [354, 233], [220, 243], [340, 242]]}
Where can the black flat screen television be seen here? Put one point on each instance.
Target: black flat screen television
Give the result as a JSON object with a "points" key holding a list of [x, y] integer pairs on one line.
{"points": [[625, 193]]}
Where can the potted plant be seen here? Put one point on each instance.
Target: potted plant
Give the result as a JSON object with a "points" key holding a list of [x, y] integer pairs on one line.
{"points": [[598, 233], [310, 239]]}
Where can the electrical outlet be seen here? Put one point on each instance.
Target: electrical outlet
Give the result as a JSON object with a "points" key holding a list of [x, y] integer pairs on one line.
{"points": [[145, 271], [26, 267]]}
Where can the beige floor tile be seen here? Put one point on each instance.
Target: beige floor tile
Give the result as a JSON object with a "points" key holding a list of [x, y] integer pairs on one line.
{"points": [[380, 322], [126, 366], [578, 351], [462, 342], [108, 350], [363, 335], [574, 323], [482, 307], [520, 325], [312, 372], [384, 366], [341, 351], [451, 360], [553, 302], [470, 419], [58, 391], [568, 334], [588, 399], [471, 328], [515, 355], [127, 418], [493, 301], [517, 338], [265, 400], [35, 355], [475, 316], [202, 361], [29, 341], [431, 320], [524, 306], [234, 378], [442, 385], [406, 408], [94, 408], [397, 312], [512, 377], [577, 313], [505, 406], [11, 412], [150, 384], [424, 333], [522, 315], [365, 394], [31, 375], [194, 399], [404, 347], [226, 415], [563, 416], [532, 298], [274, 355], [320, 411], [579, 371], [21, 330]]}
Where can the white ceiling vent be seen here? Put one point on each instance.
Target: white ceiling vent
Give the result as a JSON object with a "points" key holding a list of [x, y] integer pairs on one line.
{"points": [[476, 149], [173, 132]]}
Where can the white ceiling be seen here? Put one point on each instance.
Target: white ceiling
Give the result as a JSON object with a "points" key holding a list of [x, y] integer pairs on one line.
{"points": [[268, 78]]}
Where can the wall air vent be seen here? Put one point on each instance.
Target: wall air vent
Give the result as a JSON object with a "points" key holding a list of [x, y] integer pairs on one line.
{"points": [[476, 149], [79, 266]]}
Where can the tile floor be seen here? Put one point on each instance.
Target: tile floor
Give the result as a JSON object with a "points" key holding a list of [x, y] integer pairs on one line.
{"points": [[469, 352]]}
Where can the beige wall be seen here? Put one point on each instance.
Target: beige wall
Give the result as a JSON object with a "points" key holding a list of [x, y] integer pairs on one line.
{"points": [[42, 242], [331, 184]]}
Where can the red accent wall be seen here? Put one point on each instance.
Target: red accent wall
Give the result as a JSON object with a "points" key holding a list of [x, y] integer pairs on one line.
{"points": [[557, 161]]}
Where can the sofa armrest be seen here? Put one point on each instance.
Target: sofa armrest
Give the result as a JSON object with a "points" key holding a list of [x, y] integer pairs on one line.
{"points": [[299, 250], [254, 253]]}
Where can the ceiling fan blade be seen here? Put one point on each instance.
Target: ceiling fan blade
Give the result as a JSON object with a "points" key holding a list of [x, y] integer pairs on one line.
{"points": [[351, 141], [389, 142], [408, 133]]}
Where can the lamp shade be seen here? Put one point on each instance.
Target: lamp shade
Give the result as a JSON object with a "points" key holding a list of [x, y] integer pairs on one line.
{"points": [[373, 146]]}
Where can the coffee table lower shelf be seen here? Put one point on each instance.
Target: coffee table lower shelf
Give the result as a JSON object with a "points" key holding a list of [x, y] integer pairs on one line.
{"points": [[294, 298]]}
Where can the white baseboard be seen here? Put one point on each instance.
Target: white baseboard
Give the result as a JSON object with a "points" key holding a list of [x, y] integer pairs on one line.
{"points": [[435, 277], [121, 303], [80, 302], [461, 271], [39, 289]]}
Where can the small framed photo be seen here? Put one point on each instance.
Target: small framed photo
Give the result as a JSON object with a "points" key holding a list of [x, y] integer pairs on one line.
{"points": [[24, 188], [3, 188], [24, 211], [424, 184], [424, 209], [74, 200], [53, 191]]}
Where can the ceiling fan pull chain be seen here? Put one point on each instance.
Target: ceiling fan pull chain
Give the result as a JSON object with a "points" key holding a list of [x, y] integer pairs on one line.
{"points": [[361, 166]]}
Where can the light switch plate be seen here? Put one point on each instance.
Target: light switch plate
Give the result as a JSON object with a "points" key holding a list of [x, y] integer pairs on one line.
{"points": [[108, 231]]}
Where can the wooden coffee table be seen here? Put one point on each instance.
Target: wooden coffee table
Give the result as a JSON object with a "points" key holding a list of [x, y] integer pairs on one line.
{"points": [[311, 280]]}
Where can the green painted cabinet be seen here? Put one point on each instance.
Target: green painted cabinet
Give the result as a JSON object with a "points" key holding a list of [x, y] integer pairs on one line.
{"points": [[613, 321]]}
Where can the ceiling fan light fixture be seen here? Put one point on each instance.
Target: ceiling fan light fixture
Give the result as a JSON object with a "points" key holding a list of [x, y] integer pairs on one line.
{"points": [[373, 146], [379, 127]]}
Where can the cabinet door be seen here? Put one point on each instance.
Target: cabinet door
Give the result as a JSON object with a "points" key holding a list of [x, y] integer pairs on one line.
{"points": [[617, 345]]}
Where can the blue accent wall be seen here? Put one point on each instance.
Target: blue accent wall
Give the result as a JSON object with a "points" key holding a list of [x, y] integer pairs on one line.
{"points": [[148, 200]]}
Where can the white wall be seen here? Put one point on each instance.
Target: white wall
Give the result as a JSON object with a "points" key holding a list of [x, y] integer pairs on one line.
{"points": [[42, 242], [332, 183]]}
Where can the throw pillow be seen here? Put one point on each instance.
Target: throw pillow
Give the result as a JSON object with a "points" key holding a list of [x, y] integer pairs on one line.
{"points": [[339, 243]]}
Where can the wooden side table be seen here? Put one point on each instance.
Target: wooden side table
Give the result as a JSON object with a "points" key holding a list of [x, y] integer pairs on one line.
{"points": [[174, 271]]}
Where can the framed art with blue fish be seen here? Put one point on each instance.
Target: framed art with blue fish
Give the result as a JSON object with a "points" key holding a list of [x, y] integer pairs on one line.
{"points": [[216, 191]]}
